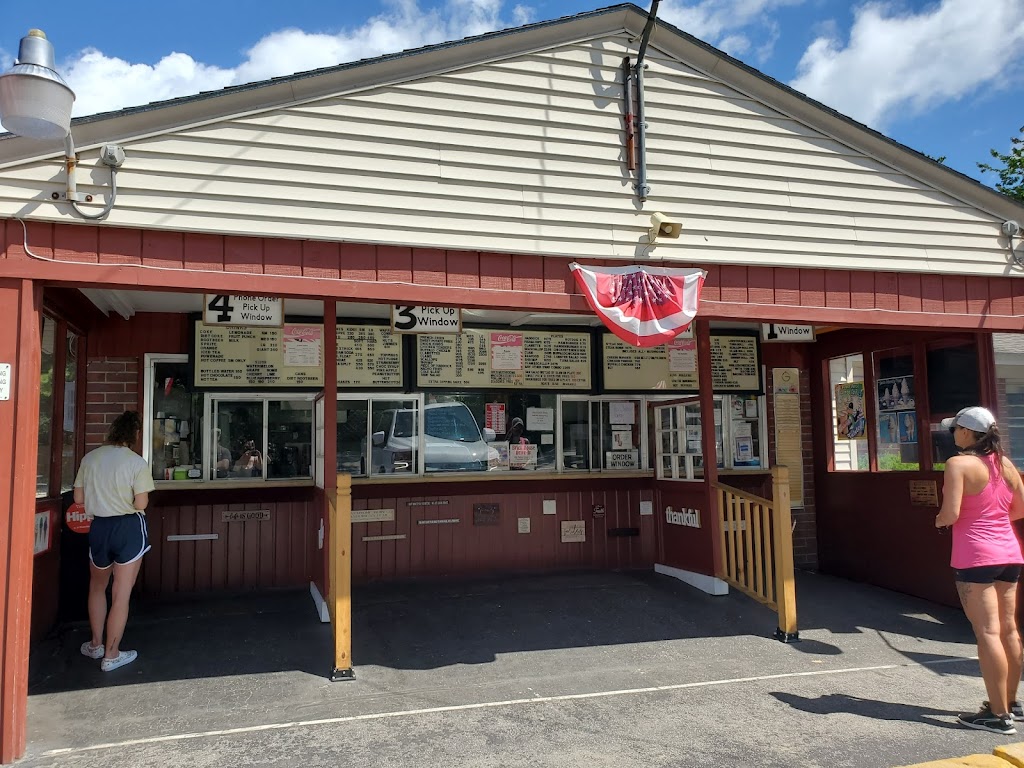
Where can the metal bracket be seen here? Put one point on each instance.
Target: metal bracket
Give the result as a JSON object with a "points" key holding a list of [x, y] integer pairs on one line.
{"points": [[786, 637], [339, 675]]}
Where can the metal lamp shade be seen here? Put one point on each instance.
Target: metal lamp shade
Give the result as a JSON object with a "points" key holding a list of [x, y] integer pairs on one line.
{"points": [[35, 102]]}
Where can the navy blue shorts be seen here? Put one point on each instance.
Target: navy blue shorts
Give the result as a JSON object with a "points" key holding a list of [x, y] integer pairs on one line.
{"points": [[986, 574], [122, 539]]}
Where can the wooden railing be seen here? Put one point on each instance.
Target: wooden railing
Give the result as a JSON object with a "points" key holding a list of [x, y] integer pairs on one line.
{"points": [[757, 548]]}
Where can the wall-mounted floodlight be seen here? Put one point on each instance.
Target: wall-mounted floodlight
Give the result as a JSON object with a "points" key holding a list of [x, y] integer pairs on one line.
{"points": [[1011, 229], [663, 226], [35, 102]]}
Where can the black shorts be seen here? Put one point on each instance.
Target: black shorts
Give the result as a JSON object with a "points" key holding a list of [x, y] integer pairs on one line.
{"points": [[122, 539], [986, 574]]}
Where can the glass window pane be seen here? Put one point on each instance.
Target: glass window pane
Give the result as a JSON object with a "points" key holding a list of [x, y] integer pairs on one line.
{"points": [[1009, 353], [289, 439], [46, 386], [620, 434], [395, 439], [849, 427], [67, 460], [896, 394], [352, 421], [575, 434], [175, 445], [237, 450]]}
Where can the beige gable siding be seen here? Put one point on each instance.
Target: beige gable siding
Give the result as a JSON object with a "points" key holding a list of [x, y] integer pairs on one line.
{"points": [[526, 155]]}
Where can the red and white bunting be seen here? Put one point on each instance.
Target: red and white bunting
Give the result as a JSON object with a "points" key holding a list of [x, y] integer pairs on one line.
{"points": [[643, 306]]}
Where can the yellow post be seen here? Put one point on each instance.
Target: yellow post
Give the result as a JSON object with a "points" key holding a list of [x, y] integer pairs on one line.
{"points": [[785, 585], [341, 580]]}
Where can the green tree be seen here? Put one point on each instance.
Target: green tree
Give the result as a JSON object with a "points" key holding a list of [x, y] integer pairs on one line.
{"points": [[1011, 170]]}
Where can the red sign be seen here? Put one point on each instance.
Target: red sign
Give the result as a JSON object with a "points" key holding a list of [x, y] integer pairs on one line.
{"points": [[643, 306], [76, 518]]}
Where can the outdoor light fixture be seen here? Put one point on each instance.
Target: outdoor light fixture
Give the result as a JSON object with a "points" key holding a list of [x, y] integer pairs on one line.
{"points": [[1011, 229], [663, 226], [35, 102]]}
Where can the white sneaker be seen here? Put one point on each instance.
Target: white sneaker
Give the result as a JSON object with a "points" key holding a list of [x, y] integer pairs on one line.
{"points": [[92, 651], [124, 657]]}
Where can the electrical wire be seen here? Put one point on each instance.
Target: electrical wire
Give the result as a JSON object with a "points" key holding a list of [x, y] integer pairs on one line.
{"points": [[110, 201]]}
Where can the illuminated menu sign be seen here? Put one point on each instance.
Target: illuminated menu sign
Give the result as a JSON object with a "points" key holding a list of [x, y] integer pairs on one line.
{"points": [[735, 365], [369, 356], [288, 356], [504, 358]]}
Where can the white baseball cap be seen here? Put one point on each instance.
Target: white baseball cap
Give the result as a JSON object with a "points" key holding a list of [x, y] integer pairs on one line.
{"points": [[975, 418]]}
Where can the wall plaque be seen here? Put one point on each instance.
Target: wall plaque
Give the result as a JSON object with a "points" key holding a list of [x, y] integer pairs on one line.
{"points": [[244, 516], [373, 515], [924, 493], [486, 514], [442, 521], [388, 537], [574, 531], [428, 503]]}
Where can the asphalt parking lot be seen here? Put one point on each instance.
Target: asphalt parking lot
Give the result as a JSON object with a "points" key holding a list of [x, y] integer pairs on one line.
{"points": [[595, 669]]}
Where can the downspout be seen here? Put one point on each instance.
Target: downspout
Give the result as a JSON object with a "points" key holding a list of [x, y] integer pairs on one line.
{"points": [[643, 189]]}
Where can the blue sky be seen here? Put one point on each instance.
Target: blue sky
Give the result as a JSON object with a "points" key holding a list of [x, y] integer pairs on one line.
{"points": [[944, 77]]}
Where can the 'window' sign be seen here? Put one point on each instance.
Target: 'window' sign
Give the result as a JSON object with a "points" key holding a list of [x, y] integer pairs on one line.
{"points": [[229, 309], [408, 319]]}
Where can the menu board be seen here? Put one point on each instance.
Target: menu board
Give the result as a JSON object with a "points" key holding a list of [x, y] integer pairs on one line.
{"points": [[369, 356], [482, 358], [735, 365], [288, 356]]}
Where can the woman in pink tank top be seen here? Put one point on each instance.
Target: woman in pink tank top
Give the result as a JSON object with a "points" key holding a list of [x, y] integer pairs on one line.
{"points": [[982, 493]]}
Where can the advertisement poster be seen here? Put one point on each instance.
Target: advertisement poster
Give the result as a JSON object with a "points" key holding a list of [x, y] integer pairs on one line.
{"points": [[522, 456], [850, 418], [302, 344], [786, 381], [896, 394], [744, 449], [908, 426], [494, 417], [506, 351], [888, 431], [498, 455]]}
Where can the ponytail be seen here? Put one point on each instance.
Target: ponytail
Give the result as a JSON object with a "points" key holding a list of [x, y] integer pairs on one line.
{"points": [[986, 444]]}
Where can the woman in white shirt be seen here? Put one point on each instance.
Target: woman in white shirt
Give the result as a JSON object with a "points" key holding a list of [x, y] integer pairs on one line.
{"points": [[114, 484]]}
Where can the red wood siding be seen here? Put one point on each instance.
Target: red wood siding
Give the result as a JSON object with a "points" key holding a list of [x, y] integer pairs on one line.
{"points": [[463, 548], [277, 553], [382, 273]]}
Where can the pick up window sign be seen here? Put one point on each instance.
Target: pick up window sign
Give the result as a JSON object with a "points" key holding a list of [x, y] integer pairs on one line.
{"points": [[786, 332], [410, 319], [250, 310]]}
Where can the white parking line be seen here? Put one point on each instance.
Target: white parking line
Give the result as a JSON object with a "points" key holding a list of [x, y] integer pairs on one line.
{"points": [[485, 705]]}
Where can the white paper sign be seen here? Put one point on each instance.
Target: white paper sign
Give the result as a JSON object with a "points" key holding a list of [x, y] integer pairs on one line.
{"points": [[574, 531], [550, 507], [524, 525], [620, 412], [622, 440], [540, 419], [373, 515], [506, 351], [547, 439], [5, 381], [646, 508]]}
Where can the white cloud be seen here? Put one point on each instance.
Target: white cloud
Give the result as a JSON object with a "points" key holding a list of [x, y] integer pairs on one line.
{"points": [[709, 19], [914, 61], [104, 83]]}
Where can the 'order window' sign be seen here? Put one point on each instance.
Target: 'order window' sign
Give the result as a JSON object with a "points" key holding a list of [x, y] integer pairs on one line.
{"points": [[229, 309]]}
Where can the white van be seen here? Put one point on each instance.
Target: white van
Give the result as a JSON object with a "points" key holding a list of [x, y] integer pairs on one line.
{"points": [[453, 441]]}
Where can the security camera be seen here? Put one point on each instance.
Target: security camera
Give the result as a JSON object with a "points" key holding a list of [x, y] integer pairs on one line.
{"points": [[663, 226], [1011, 228]]}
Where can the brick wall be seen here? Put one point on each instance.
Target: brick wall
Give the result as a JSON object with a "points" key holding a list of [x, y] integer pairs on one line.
{"points": [[805, 533], [112, 388]]}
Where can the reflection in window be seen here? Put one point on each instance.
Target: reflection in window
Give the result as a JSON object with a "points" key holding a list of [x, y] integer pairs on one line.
{"points": [[289, 439], [395, 441], [67, 461], [1009, 354], [849, 427], [953, 383], [896, 393], [175, 432], [237, 450], [46, 387], [352, 420], [575, 434]]}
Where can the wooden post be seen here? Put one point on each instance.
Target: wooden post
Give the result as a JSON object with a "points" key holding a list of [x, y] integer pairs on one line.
{"points": [[341, 580], [782, 536], [702, 331], [20, 303]]}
